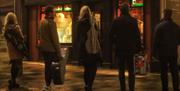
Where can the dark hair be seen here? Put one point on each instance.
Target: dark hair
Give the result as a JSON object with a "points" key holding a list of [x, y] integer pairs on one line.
{"points": [[167, 13], [124, 8], [48, 9]]}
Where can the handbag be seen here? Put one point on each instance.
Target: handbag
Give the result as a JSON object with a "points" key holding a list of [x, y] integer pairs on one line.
{"points": [[58, 71], [92, 44], [16, 39]]}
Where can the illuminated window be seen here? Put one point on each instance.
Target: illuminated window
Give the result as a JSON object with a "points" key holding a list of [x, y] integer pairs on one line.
{"points": [[63, 19]]}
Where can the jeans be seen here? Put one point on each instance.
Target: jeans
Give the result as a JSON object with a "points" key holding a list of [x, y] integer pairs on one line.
{"points": [[16, 68], [90, 68], [49, 57], [123, 61], [172, 62]]}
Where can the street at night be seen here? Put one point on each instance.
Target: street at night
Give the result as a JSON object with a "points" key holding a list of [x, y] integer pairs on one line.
{"points": [[106, 80], [100, 45]]}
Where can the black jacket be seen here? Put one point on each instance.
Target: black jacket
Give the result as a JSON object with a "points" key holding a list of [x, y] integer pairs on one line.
{"points": [[125, 35], [83, 27], [166, 39]]}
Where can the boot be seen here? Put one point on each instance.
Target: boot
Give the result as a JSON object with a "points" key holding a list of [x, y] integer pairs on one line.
{"points": [[13, 84]]}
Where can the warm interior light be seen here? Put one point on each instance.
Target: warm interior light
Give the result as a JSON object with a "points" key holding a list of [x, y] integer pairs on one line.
{"points": [[67, 9], [137, 3], [58, 9]]}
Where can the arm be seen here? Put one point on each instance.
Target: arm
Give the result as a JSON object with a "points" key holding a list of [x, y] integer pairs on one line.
{"points": [[39, 32], [112, 33], [78, 32], [54, 38], [156, 41]]}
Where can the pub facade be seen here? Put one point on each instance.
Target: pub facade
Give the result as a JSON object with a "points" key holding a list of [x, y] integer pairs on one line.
{"points": [[67, 12], [30, 12]]}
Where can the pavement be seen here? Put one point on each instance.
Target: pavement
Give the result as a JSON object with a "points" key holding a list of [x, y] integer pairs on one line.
{"points": [[106, 79]]}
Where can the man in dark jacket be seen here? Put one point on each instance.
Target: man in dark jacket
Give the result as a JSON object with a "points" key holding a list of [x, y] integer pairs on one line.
{"points": [[166, 41], [49, 44], [125, 36]]}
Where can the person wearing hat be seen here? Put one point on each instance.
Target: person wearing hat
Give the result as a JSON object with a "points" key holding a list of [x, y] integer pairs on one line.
{"points": [[49, 45], [166, 41], [125, 38]]}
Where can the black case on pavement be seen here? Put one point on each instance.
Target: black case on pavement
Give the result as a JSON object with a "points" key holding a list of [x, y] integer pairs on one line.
{"points": [[56, 75]]}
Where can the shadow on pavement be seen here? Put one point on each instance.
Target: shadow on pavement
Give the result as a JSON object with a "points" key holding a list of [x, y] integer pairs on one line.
{"points": [[20, 89]]}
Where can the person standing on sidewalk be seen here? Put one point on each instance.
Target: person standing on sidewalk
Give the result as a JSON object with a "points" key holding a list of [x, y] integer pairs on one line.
{"points": [[11, 28], [125, 38], [49, 44], [166, 41], [88, 58]]}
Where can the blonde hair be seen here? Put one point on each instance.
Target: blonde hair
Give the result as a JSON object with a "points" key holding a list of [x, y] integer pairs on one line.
{"points": [[85, 9], [10, 19]]}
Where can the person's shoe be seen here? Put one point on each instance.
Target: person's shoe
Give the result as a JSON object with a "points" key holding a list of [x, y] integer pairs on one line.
{"points": [[13, 85], [46, 88], [87, 88]]}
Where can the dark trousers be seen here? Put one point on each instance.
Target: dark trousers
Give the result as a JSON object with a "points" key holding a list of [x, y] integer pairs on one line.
{"points": [[90, 68], [172, 62], [16, 67], [126, 60], [49, 57]]}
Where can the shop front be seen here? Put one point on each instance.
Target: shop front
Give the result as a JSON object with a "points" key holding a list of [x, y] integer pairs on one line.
{"points": [[34, 12], [67, 12]]}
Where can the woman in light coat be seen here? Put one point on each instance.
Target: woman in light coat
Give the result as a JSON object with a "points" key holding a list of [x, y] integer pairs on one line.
{"points": [[14, 55]]}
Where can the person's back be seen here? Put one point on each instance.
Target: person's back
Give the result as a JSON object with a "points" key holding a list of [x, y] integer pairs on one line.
{"points": [[168, 38], [47, 34], [126, 34]]}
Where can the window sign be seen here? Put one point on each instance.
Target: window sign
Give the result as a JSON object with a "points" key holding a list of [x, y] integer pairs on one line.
{"points": [[59, 9], [137, 3], [67, 8]]}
